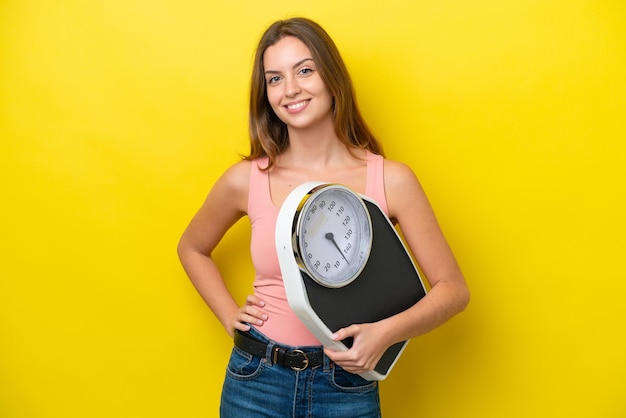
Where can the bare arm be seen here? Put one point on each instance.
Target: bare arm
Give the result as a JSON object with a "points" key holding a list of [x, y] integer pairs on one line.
{"points": [[226, 203], [448, 295]]}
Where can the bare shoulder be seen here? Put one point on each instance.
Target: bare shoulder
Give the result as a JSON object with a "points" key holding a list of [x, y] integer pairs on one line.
{"points": [[226, 203], [399, 179], [402, 188], [232, 186], [238, 174], [397, 172]]}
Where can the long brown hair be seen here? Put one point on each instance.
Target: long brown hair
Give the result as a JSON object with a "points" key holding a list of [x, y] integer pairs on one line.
{"points": [[268, 134]]}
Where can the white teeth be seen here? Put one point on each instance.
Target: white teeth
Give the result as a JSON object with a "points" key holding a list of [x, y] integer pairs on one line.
{"points": [[296, 106]]}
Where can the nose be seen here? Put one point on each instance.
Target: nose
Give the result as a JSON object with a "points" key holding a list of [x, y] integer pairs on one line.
{"points": [[292, 88]]}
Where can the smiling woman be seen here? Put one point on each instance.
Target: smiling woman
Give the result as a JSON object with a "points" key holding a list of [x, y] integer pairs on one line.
{"points": [[305, 126], [115, 115], [317, 50], [294, 84]]}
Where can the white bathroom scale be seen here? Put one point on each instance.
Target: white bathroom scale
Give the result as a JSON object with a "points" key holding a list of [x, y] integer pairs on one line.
{"points": [[343, 263]]}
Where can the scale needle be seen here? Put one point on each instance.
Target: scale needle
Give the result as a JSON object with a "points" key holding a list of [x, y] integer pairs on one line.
{"points": [[330, 237]]}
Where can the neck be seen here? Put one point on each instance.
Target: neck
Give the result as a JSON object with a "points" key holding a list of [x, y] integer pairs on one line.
{"points": [[323, 130], [318, 155], [315, 145]]}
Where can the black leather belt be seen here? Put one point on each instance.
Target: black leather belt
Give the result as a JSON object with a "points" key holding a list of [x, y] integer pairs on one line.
{"points": [[294, 359]]}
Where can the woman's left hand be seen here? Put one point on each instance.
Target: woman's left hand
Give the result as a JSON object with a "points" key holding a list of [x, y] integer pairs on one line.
{"points": [[367, 348]]}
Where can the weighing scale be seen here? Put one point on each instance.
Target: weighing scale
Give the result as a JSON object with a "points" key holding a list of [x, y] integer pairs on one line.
{"points": [[343, 263]]}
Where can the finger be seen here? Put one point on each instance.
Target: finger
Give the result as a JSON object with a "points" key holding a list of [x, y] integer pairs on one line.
{"points": [[251, 316], [350, 365], [255, 300], [255, 313], [334, 356], [344, 333], [338, 356], [344, 360], [242, 327]]}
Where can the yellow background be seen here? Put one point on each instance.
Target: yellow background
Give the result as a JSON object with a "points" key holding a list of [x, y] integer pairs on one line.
{"points": [[116, 117]]}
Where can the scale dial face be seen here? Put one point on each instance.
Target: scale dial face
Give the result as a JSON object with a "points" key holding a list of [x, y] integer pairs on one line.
{"points": [[333, 235]]}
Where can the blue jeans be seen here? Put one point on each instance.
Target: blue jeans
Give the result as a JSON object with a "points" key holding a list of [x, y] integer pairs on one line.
{"points": [[254, 387]]}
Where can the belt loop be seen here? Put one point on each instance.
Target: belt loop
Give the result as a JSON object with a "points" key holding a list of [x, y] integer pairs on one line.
{"points": [[269, 354], [275, 352], [278, 356], [327, 363]]}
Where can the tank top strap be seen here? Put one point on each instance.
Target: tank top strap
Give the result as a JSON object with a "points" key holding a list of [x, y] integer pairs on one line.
{"points": [[259, 196], [375, 185]]}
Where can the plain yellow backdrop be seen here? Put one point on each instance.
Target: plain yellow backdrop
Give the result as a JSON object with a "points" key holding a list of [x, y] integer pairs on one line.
{"points": [[117, 116]]}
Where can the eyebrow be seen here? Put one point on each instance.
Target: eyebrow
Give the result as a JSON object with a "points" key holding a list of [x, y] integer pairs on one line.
{"points": [[296, 65]]}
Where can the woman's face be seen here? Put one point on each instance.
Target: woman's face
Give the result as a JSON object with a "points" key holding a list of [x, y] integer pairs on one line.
{"points": [[294, 87]]}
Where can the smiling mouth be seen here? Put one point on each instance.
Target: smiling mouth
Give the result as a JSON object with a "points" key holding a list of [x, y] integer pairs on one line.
{"points": [[297, 106]]}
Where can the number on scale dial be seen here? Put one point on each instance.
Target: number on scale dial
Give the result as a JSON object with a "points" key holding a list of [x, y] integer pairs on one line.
{"points": [[333, 235]]}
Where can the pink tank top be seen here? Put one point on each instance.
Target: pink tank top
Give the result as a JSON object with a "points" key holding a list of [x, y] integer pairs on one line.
{"points": [[283, 325]]}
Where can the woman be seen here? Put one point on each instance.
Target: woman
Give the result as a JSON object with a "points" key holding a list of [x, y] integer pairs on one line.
{"points": [[305, 126]]}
